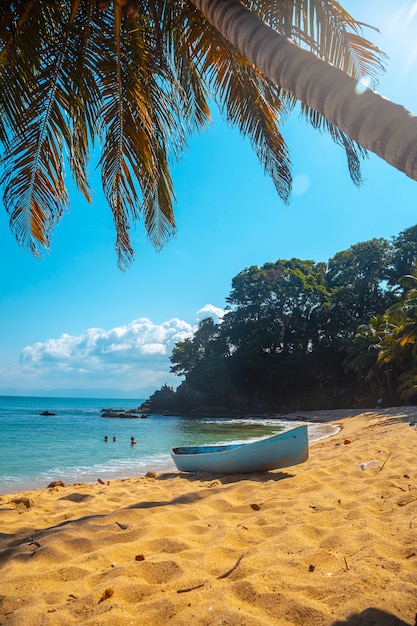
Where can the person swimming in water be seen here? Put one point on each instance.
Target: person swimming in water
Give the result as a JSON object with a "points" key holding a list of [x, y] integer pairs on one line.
{"points": [[132, 441]]}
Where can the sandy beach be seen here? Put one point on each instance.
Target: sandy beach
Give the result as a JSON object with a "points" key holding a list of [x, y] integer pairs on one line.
{"points": [[322, 543]]}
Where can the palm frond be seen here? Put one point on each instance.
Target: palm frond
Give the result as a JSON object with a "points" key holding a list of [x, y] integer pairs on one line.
{"points": [[22, 33], [140, 129], [354, 152], [328, 30], [179, 20], [325, 28], [35, 194], [408, 384], [80, 94], [260, 123], [246, 98]]}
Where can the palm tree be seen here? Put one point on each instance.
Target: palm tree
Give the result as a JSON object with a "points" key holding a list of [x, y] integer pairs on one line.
{"points": [[367, 118], [363, 355], [398, 348], [139, 76]]}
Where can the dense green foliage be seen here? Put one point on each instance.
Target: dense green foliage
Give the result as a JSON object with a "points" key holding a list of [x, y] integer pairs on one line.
{"points": [[301, 334]]}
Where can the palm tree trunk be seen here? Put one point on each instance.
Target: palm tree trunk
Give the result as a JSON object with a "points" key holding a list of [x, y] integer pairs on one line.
{"points": [[377, 124]]}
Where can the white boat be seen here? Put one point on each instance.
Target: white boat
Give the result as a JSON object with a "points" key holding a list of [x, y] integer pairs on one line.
{"points": [[283, 450]]}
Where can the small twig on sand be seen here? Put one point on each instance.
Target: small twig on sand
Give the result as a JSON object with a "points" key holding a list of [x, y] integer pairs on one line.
{"points": [[383, 465], [225, 575], [347, 566], [191, 588], [229, 571]]}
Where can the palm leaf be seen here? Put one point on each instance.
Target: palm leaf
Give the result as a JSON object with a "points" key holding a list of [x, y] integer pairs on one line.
{"points": [[331, 33], [139, 131], [328, 30], [246, 98], [35, 194]]}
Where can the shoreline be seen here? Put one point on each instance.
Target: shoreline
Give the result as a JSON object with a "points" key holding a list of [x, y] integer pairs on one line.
{"points": [[323, 543], [118, 469]]}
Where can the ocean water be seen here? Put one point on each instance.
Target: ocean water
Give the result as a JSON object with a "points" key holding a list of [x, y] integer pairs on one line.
{"points": [[69, 446]]}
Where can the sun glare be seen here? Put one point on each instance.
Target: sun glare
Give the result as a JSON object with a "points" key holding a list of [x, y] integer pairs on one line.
{"points": [[361, 86], [413, 10], [402, 27], [411, 20], [301, 183]]}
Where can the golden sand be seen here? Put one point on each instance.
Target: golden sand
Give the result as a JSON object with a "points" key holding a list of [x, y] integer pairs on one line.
{"points": [[322, 543]]}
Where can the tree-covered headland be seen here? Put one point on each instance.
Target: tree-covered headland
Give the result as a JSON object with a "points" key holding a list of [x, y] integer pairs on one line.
{"points": [[299, 334]]}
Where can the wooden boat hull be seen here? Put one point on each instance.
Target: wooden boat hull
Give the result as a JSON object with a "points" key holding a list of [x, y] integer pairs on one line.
{"points": [[282, 450]]}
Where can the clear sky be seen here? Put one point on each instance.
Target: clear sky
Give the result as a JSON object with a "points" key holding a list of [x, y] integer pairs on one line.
{"points": [[73, 324]]}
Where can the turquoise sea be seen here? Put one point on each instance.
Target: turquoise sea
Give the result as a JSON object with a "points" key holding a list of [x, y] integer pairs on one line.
{"points": [[69, 446]]}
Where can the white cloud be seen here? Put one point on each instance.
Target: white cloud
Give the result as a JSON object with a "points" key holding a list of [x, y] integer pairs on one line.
{"points": [[99, 349], [209, 310], [133, 356]]}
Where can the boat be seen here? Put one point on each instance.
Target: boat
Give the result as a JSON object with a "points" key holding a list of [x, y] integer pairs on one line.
{"points": [[282, 450]]}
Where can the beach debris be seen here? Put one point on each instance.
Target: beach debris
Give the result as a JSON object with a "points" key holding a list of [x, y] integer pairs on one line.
{"points": [[101, 481], [413, 423], [122, 526], [346, 564], [347, 442], [255, 507], [192, 588], [369, 465], [56, 483], [139, 557], [232, 569], [106, 594], [220, 577], [383, 465], [151, 474], [311, 568]]}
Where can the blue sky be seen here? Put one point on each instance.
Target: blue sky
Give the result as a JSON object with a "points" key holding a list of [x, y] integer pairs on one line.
{"points": [[73, 324]]}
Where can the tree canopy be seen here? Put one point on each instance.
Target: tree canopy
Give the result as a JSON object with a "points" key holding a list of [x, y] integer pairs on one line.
{"points": [[302, 334]]}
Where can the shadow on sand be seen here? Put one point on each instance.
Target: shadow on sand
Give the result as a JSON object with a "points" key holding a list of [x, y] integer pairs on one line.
{"points": [[374, 617]]}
